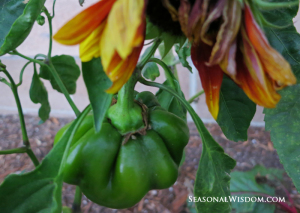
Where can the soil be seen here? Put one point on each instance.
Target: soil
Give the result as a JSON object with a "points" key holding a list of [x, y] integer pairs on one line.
{"points": [[258, 149]]}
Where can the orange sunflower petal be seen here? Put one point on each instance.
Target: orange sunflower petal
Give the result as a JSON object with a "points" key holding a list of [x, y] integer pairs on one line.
{"points": [[82, 25], [211, 77], [274, 64], [120, 70]]}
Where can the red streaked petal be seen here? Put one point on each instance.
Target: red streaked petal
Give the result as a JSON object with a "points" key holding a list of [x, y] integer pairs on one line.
{"points": [[252, 60], [274, 64], [82, 25], [119, 71], [211, 77], [263, 96]]}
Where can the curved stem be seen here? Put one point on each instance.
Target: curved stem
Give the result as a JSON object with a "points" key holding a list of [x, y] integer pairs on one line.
{"points": [[22, 120], [168, 72], [21, 73], [144, 60], [195, 96], [76, 207], [49, 18], [53, 9], [15, 52], [63, 88], [3, 80]]}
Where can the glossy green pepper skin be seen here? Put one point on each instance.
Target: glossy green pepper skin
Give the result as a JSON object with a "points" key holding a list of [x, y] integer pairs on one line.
{"points": [[118, 176]]}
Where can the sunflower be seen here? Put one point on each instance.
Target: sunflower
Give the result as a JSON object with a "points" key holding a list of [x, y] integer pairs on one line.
{"points": [[113, 30], [226, 39]]}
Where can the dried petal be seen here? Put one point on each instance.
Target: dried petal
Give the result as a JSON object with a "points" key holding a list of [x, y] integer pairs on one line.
{"points": [[197, 18], [213, 15], [183, 16], [228, 64], [232, 14]]}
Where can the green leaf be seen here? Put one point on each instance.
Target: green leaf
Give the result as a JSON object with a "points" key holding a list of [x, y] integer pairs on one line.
{"points": [[213, 175], [169, 58], [16, 21], [152, 31], [81, 2], [96, 83], [151, 71], [168, 42], [167, 100], [284, 120], [236, 111], [39, 190], [184, 52], [66, 68], [39, 94], [247, 182]]}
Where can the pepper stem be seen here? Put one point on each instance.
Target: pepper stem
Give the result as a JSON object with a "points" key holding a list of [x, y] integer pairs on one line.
{"points": [[126, 115], [126, 93]]}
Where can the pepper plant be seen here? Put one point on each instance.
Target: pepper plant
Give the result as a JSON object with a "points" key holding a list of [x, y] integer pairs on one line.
{"points": [[126, 143]]}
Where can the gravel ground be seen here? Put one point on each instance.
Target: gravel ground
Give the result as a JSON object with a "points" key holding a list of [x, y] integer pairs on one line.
{"points": [[258, 149]]}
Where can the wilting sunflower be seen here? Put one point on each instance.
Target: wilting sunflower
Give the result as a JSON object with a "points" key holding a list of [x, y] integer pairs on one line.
{"points": [[226, 38], [112, 29]]}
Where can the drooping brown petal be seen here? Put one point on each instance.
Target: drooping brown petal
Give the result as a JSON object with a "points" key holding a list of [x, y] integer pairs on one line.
{"points": [[232, 15], [197, 18], [171, 9], [253, 79], [274, 64], [228, 64], [211, 77], [213, 15], [183, 16]]}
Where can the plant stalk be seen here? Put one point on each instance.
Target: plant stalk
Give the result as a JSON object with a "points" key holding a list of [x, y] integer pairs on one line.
{"points": [[22, 120], [76, 207]]}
